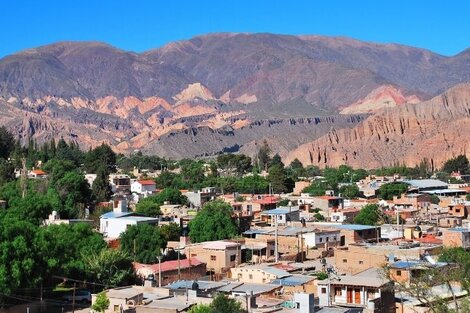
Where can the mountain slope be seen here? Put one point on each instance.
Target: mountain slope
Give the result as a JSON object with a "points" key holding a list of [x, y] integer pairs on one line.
{"points": [[436, 130]]}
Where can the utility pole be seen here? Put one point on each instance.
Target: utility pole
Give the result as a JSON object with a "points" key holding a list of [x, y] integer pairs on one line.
{"points": [[276, 257], [73, 297], [160, 271], [179, 264]]}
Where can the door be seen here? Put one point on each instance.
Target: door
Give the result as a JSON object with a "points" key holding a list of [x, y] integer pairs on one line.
{"points": [[357, 296], [342, 241], [350, 296]]}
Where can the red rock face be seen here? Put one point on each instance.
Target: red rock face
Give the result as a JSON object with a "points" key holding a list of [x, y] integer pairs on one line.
{"points": [[434, 130], [386, 96]]}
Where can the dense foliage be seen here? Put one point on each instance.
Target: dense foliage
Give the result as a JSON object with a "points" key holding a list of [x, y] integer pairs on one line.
{"points": [[387, 191], [220, 304], [370, 214], [213, 222]]}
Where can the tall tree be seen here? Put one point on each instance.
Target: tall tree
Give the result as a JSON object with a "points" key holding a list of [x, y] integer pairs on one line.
{"points": [[100, 157], [101, 189], [458, 164], [7, 142], [143, 242], [263, 156], [369, 215], [110, 267], [213, 222]]}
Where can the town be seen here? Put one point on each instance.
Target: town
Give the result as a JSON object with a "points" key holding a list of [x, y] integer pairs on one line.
{"points": [[97, 231]]}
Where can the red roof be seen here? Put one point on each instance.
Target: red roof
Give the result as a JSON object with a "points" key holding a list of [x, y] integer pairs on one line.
{"points": [[39, 172], [146, 182], [328, 197], [169, 265]]}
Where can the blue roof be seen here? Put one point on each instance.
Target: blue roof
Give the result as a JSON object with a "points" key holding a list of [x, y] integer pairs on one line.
{"points": [[117, 214], [460, 229], [354, 227], [281, 210], [294, 280], [414, 264]]}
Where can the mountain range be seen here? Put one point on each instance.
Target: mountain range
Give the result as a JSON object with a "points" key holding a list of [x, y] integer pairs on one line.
{"points": [[325, 100]]}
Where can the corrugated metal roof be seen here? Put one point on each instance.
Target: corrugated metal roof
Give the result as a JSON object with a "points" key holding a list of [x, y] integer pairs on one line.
{"points": [[426, 183], [416, 264], [276, 271], [281, 210], [294, 280], [354, 227], [203, 285], [255, 288]]}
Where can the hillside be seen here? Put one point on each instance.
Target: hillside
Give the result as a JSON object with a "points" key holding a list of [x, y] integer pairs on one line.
{"points": [[215, 93], [437, 130]]}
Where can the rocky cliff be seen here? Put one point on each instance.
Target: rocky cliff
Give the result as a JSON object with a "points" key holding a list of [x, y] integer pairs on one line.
{"points": [[436, 130]]}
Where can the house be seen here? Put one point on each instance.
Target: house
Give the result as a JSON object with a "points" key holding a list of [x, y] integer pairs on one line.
{"points": [[145, 187], [281, 215], [328, 203], [37, 174], [219, 256], [345, 215], [353, 233], [197, 198], [456, 237], [360, 257], [413, 200], [368, 290], [261, 250], [404, 271], [113, 224], [259, 274], [174, 270], [120, 183], [324, 238], [459, 209]]}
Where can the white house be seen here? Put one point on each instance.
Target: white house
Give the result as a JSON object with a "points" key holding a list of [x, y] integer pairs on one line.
{"points": [[321, 237], [143, 187], [37, 174], [112, 224]]}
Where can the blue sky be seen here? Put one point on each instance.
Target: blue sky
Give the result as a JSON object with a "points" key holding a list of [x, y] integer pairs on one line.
{"points": [[440, 26]]}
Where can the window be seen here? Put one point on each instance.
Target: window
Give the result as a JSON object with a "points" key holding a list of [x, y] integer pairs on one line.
{"points": [[361, 262], [398, 273], [233, 258], [271, 252], [240, 276], [327, 238], [213, 258], [264, 280], [338, 291], [323, 290], [321, 240], [193, 255], [250, 276], [116, 308], [345, 261]]}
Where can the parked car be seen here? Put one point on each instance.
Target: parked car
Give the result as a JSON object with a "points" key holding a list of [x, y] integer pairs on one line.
{"points": [[80, 296]]}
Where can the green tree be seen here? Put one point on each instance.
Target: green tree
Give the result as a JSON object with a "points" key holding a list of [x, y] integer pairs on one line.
{"points": [[252, 184], [223, 304], [369, 215], [62, 256], [234, 164], [101, 190], [74, 193], [7, 143], [18, 260], [458, 164], [150, 206], [278, 179], [349, 191], [213, 222], [144, 242], [110, 267], [263, 156], [100, 157], [101, 303], [201, 308], [317, 188], [170, 232], [7, 172], [387, 191]]}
